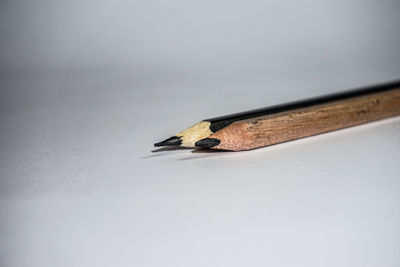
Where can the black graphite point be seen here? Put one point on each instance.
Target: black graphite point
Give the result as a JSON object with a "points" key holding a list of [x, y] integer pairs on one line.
{"points": [[172, 141], [207, 142]]}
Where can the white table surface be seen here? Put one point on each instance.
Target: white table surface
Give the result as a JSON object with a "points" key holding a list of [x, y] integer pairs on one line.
{"points": [[81, 187], [87, 87]]}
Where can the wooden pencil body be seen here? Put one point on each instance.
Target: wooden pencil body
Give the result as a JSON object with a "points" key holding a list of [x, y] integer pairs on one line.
{"points": [[298, 123]]}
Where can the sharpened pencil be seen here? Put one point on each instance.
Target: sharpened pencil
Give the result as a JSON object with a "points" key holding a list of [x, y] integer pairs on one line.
{"points": [[208, 127], [354, 109]]}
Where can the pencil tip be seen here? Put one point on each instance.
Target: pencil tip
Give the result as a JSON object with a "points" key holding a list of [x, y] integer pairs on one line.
{"points": [[207, 142], [172, 141]]}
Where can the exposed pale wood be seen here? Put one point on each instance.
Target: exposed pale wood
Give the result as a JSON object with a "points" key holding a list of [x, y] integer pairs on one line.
{"points": [[290, 125], [195, 133]]}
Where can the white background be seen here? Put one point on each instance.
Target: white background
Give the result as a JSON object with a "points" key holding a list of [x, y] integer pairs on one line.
{"points": [[88, 86]]}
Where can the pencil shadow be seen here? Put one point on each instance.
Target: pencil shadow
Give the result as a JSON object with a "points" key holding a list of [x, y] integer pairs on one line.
{"points": [[196, 152], [208, 153], [170, 148], [208, 150], [156, 152]]}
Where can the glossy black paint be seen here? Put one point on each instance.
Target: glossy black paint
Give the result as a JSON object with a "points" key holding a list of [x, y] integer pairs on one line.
{"points": [[207, 142]]}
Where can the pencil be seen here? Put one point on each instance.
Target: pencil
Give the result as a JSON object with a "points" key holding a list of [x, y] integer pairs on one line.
{"points": [[355, 108], [208, 127]]}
